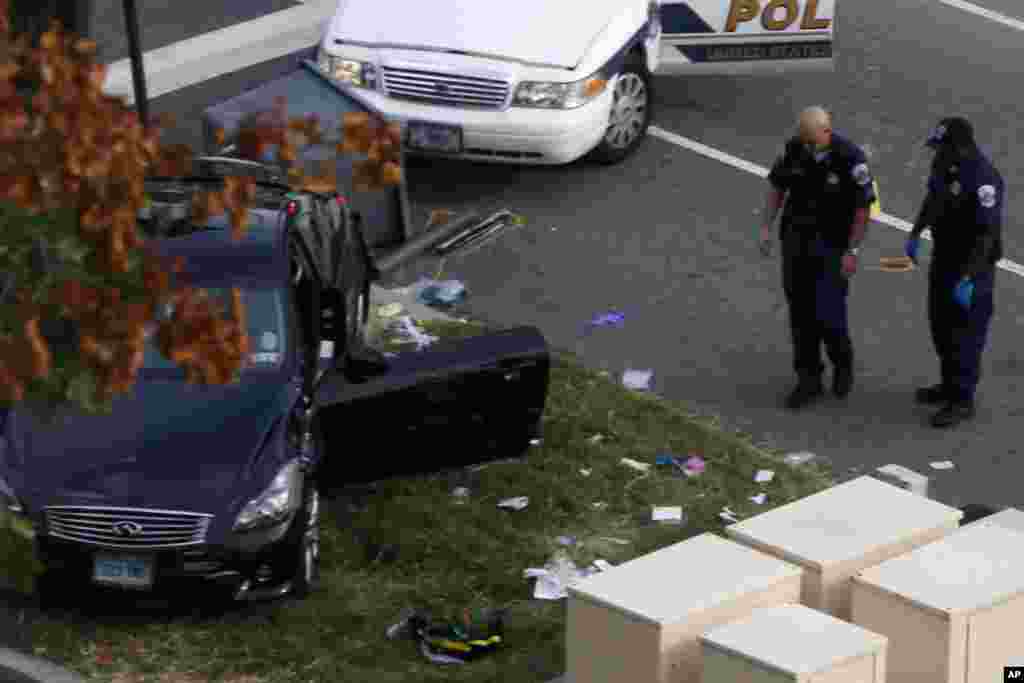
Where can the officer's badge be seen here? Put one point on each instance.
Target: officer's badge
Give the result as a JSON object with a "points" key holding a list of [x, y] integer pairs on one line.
{"points": [[954, 188], [861, 174], [987, 196], [833, 179]]}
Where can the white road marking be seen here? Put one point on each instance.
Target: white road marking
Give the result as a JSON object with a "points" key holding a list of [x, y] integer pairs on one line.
{"points": [[224, 51], [761, 171], [986, 13]]}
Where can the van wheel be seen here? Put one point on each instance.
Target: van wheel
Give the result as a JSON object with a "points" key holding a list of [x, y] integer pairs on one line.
{"points": [[630, 115]]}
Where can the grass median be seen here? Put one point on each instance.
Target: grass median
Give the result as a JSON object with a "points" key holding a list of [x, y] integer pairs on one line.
{"points": [[446, 557]]}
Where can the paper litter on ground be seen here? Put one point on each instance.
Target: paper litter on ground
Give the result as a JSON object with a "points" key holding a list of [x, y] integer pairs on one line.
{"points": [[759, 498], [585, 473], [596, 438], [693, 466], [943, 465], [408, 328], [567, 541], [799, 458], [603, 565], [667, 514], [728, 515], [639, 380], [534, 442], [390, 310], [437, 657], [517, 503], [636, 465], [609, 319], [600, 505], [554, 579], [763, 476]]}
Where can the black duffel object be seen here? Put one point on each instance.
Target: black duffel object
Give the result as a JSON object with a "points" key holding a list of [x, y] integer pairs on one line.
{"points": [[454, 403]]}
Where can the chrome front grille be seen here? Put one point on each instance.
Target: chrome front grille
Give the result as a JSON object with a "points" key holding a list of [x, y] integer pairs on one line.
{"points": [[442, 88], [127, 528]]}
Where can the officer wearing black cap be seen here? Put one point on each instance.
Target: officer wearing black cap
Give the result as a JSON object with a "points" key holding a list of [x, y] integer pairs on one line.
{"points": [[963, 208], [826, 185]]}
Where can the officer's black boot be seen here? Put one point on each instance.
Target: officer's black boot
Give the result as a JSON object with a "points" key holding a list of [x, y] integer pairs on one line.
{"points": [[953, 413], [932, 396], [842, 381], [807, 390]]}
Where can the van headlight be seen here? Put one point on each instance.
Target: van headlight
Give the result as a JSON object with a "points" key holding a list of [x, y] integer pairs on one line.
{"points": [[560, 95], [353, 72], [277, 501]]}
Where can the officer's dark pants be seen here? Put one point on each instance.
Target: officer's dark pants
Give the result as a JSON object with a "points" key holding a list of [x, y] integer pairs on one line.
{"points": [[816, 291], [959, 334]]}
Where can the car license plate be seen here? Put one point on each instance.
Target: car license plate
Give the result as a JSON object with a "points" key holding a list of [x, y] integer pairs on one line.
{"points": [[434, 137], [131, 571]]}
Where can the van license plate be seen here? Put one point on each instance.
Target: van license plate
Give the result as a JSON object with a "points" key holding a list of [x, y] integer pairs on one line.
{"points": [[434, 137], [130, 571]]}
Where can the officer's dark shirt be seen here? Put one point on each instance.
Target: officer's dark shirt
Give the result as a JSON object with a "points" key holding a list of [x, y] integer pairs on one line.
{"points": [[824, 189], [966, 198]]}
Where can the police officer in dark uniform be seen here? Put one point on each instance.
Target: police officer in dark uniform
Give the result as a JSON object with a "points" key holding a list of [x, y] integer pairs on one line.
{"points": [[827, 187], [963, 208]]}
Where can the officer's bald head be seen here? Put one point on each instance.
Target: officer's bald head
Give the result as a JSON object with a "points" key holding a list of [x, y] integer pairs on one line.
{"points": [[815, 126]]}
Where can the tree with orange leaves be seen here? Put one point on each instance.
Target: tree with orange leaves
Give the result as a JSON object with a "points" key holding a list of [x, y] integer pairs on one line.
{"points": [[79, 287]]}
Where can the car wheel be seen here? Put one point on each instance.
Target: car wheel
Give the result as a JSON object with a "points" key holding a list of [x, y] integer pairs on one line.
{"points": [[630, 115], [298, 555]]}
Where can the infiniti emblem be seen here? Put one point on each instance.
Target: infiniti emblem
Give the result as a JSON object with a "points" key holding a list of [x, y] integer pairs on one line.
{"points": [[125, 529]]}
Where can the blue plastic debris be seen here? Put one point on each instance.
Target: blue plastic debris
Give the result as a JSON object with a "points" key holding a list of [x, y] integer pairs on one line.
{"points": [[609, 319], [444, 293]]}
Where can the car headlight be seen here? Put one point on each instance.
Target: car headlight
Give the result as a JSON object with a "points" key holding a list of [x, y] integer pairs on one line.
{"points": [[276, 502], [560, 95], [353, 72]]}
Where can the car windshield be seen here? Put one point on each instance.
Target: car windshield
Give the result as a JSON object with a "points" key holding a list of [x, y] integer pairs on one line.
{"points": [[264, 314]]}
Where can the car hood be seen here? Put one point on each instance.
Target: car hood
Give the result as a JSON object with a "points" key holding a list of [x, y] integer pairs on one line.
{"points": [[553, 33], [166, 444]]}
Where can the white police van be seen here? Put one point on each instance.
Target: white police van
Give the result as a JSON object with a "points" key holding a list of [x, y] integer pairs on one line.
{"points": [[549, 81]]}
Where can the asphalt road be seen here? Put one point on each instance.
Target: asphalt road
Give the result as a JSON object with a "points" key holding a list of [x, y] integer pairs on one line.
{"points": [[668, 237]]}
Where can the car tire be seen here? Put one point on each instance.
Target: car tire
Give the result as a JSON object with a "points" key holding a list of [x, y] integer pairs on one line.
{"points": [[630, 116]]}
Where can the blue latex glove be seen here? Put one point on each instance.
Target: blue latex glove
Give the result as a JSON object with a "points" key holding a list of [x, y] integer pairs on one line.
{"points": [[964, 292], [911, 247]]}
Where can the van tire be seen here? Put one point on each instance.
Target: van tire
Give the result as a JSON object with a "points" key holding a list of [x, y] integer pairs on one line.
{"points": [[628, 125]]}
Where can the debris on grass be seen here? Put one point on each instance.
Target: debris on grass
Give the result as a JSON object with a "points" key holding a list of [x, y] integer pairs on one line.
{"points": [[534, 442], [694, 465], [728, 515], [638, 380], [596, 438], [603, 565], [517, 503], [799, 458], [616, 541], [609, 319], [407, 328], [585, 472], [390, 310], [460, 495], [672, 513], [567, 541], [759, 498], [636, 465], [600, 505], [943, 465], [764, 476], [555, 577]]}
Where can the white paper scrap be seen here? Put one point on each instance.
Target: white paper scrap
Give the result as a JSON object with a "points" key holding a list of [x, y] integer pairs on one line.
{"points": [[603, 565], [389, 310], [763, 476], [585, 473], [636, 465], [596, 438], [799, 458], [600, 505], [943, 465], [517, 503], [667, 514], [728, 515], [639, 380], [759, 498]]}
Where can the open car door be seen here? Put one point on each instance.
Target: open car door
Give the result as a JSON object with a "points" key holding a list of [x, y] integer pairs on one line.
{"points": [[454, 403], [745, 36]]}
